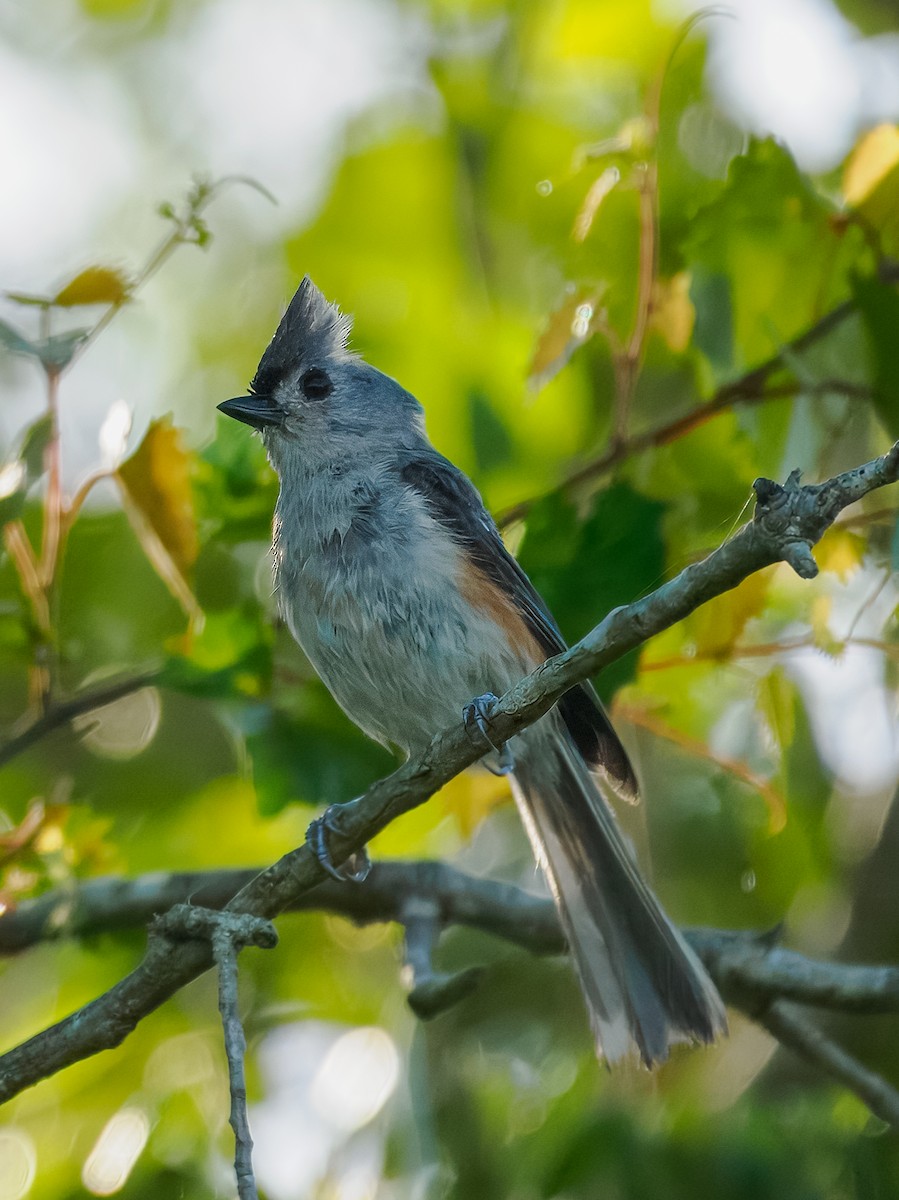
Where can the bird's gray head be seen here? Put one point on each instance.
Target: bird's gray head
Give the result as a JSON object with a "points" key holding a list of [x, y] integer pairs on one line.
{"points": [[313, 400]]}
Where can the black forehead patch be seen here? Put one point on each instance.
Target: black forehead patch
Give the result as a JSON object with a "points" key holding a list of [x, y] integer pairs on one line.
{"points": [[312, 331]]}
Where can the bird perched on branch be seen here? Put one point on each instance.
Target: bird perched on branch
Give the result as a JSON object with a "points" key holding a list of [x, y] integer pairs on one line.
{"points": [[393, 578]]}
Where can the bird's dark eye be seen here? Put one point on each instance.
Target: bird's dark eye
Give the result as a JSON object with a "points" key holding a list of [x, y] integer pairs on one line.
{"points": [[316, 384]]}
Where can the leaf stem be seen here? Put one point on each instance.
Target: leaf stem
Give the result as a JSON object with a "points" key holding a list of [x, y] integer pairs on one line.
{"points": [[186, 231], [51, 539]]}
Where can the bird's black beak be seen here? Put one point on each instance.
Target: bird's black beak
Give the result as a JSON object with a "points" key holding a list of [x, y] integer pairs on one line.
{"points": [[257, 411]]}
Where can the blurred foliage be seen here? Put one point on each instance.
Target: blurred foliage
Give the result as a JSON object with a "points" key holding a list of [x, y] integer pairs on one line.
{"points": [[566, 264]]}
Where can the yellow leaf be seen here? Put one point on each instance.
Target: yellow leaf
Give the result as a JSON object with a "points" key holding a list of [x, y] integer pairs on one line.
{"points": [[777, 704], [470, 797], [156, 482], [870, 162], [598, 191], [716, 626], [840, 551], [450, 818], [568, 327], [673, 313], [822, 635], [94, 285]]}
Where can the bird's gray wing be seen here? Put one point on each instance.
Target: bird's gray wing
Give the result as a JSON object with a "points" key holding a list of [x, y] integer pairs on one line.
{"points": [[453, 500]]}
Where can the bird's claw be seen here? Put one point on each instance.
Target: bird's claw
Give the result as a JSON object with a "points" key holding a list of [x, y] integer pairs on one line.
{"points": [[357, 866], [476, 719]]}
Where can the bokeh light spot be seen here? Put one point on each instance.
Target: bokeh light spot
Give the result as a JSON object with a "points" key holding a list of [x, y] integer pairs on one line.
{"points": [[356, 1078], [117, 1149], [18, 1163]]}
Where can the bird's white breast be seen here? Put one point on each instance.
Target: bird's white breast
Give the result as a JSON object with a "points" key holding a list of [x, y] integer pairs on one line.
{"points": [[367, 581]]}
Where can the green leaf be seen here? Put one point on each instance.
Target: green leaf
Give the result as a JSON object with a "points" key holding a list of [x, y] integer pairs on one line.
{"points": [[490, 438], [879, 308], [56, 352], [713, 331], [240, 679], [236, 489], [772, 237], [94, 285], [230, 659], [27, 299], [11, 505], [585, 569], [19, 474], [16, 342], [34, 445], [314, 761]]}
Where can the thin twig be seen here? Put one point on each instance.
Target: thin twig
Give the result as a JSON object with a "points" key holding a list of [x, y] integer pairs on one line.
{"points": [[662, 435], [773, 798], [53, 499], [228, 933], [62, 712], [184, 233], [870, 599], [768, 650], [28, 570], [628, 362], [52, 533], [235, 1048], [869, 518], [748, 389], [27, 567], [77, 502], [430, 991], [787, 522], [793, 1030]]}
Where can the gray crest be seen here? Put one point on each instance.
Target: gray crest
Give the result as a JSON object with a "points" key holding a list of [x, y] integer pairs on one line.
{"points": [[312, 331]]}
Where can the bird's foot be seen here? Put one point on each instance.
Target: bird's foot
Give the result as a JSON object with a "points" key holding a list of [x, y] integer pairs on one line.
{"points": [[476, 719], [356, 867]]}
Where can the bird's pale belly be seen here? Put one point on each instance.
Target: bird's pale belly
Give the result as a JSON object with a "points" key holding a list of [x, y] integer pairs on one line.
{"points": [[401, 656]]}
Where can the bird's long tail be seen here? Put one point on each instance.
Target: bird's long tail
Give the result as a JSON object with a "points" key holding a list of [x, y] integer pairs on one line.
{"points": [[643, 984]]}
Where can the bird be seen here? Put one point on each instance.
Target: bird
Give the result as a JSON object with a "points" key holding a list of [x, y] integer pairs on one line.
{"points": [[394, 579]]}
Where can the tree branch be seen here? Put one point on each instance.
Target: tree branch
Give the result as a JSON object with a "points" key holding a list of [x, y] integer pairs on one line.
{"points": [[787, 522], [113, 904], [752, 971], [738, 959], [748, 389]]}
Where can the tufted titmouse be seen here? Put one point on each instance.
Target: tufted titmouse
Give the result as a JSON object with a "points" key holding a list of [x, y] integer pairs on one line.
{"points": [[394, 579]]}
